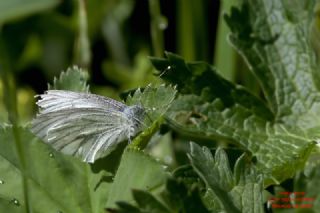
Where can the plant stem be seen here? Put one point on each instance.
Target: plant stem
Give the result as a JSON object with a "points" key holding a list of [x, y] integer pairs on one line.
{"points": [[158, 25], [141, 141], [10, 100], [224, 55], [82, 48], [192, 29]]}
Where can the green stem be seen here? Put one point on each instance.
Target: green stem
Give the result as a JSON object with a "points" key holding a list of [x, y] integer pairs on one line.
{"points": [[158, 24], [10, 103], [224, 56], [192, 29], [10, 100], [82, 48], [141, 141], [22, 161]]}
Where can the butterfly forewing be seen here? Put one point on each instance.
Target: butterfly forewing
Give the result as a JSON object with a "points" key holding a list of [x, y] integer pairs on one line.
{"points": [[55, 100], [82, 124]]}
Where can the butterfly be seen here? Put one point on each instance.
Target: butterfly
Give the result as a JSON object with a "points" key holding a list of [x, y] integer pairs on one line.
{"points": [[85, 124]]}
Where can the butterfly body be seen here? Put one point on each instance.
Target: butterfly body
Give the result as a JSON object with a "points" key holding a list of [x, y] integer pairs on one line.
{"points": [[84, 124]]}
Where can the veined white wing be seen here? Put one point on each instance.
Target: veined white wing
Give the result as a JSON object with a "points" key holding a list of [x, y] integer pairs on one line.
{"points": [[84, 125]]}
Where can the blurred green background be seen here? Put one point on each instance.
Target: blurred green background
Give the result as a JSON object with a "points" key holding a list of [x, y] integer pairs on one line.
{"points": [[111, 39]]}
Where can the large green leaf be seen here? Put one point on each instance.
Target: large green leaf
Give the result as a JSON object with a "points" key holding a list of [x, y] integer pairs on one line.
{"points": [[238, 192], [16, 8], [214, 108], [55, 182], [273, 36], [136, 171]]}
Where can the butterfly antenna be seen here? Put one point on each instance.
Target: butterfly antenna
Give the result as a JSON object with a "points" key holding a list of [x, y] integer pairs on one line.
{"points": [[168, 68], [165, 71]]}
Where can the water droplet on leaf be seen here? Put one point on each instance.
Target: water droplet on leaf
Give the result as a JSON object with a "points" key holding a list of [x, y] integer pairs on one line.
{"points": [[15, 202], [1, 181], [51, 155]]}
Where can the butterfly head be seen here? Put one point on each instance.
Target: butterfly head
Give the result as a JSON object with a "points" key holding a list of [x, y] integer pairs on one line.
{"points": [[136, 113]]}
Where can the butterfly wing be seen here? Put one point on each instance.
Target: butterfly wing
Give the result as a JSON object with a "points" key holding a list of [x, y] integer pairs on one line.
{"points": [[81, 124], [55, 100]]}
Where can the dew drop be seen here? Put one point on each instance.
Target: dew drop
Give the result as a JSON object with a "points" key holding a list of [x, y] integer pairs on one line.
{"points": [[15, 202], [1, 182], [51, 155], [162, 23], [153, 109]]}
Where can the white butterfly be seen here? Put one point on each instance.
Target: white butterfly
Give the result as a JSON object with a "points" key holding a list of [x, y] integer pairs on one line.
{"points": [[84, 124]]}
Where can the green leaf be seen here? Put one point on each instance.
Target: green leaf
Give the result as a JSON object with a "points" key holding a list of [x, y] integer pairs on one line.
{"points": [[148, 203], [175, 198], [156, 101], [74, 79], [211, 107], [201, 79], [137, 170], [280, 150], [124, 207], [13, 9], [55, 181], [275, 42], [273, 37], [187, 175], [180, 198], [9, 206], [204, 164], [232, 195]]}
